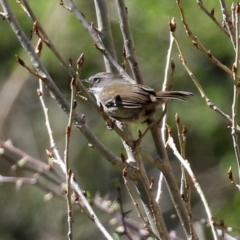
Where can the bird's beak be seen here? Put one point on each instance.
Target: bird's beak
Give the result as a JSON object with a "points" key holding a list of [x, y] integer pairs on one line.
{"points": [[86, 81]]}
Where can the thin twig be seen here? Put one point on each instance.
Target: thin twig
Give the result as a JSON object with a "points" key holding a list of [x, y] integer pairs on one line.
{"points": [[197, 43], [228, 21], [95, 36], [112, 208], [151, 208], [31, 181], [169, 66], [200, 89], [153, 211], [93, 215], [167, 85], [168, 76], [68, 131], [163, 164], [236, 87], [43, 35], [128, 40], [49, 128], [231, 178], [159, 188], [41, 166], [18, 180], [186, 165], [211, 15], [185, 178], [105, 32], [22, 164], [140, 215], [123, 214], [68, 171]]}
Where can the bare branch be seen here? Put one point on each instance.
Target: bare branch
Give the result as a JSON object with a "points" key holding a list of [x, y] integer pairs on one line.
{"points": [[43, 35], [228, 21], [104, 31], [235, 70], [128, 41], [97, 40], [200, 88], [68, 171], [186, 165], [211, 15], [199, 46]]}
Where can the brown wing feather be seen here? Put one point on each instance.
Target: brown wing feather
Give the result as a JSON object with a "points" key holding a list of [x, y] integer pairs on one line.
{"points": [[140, 95]]}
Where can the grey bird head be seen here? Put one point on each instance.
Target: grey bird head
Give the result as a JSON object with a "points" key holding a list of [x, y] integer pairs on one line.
{"points": [[100, 80]]}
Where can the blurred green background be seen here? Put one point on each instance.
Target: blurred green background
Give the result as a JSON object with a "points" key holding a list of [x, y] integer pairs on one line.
{"points": [[24, 213]]}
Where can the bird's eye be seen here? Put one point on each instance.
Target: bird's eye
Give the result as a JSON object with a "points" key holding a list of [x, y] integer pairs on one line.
{"points": [[96, 80]]}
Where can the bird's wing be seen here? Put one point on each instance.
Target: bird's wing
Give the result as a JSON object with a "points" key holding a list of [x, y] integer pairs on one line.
{"points": [[140, 95]]}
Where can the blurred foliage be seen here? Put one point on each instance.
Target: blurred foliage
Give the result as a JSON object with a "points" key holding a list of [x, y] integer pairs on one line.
{"points": [[209, 144]]}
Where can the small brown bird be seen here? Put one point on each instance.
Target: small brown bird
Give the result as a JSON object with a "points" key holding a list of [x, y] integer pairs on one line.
{"points": [[127, 102]]}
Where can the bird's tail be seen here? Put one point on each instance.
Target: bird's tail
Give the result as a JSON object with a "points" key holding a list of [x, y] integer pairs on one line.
{"points": [[178, 95]]}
